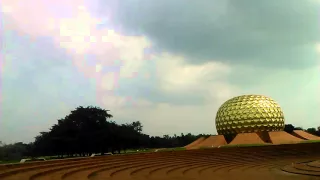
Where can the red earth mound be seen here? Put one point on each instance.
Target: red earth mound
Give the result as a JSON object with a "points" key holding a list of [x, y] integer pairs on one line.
{"points": [[263, 163], [247, 138], [212, 141], [282, 137], [194, 143], [305, 135]]}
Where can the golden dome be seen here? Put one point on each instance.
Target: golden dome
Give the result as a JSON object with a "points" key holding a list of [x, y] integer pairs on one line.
{"points": [[249, 113]]}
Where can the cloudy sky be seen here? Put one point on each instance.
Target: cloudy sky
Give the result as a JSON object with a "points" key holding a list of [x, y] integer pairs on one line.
{"points": [[169, 64]]}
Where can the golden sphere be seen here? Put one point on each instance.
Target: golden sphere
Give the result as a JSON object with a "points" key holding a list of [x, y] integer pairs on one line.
{"points": [[249, 113]]}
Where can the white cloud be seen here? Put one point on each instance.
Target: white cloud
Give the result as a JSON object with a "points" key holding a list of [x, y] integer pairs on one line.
{"points": [[318, 47], [79, 36], [77, 33], [108, 81], [98, 67], [177, 76], [165, 118]]}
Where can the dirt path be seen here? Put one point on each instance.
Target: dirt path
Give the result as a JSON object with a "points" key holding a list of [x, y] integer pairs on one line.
{"points": [[280, 162]]}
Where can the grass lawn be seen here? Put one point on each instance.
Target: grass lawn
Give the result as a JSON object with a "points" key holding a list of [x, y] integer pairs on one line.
{"points": [[9, 162], [311, 141], [244, 145], [237, 145], [129, 151], [18, 161], [172, 149]]}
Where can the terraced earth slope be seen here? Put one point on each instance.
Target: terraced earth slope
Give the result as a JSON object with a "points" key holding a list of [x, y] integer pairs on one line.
{"points": [[277, 162], [247, 138], [304, 135]]}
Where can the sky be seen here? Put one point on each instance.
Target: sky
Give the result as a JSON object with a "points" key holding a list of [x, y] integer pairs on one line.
{"points": [[169, 64]]}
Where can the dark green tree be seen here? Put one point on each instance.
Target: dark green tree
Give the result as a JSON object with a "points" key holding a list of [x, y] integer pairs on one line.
{"points": [[312, 131], [88, 130], [137, 126], [289, 128]]}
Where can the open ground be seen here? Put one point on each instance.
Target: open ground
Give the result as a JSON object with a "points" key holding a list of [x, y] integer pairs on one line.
{"points": [[290, 161]]}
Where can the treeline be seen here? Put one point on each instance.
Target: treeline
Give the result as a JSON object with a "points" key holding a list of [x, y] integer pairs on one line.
{"points": [[88, 130], [289, 128]]}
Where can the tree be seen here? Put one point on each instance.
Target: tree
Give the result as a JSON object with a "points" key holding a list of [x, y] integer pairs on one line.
{"points": [[297, 128], [289, 128], [81, 132], [166, 136], [86, 126], [137, 126], [13, 151], [318, 131], [88, 130], [312, 131], [1, 152]]}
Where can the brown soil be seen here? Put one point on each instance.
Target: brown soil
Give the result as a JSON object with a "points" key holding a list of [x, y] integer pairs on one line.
{"points": [[247, 138], [282, 137], [314, 164], [281, 162], [194, 143], [212, 141], [305, 135]]}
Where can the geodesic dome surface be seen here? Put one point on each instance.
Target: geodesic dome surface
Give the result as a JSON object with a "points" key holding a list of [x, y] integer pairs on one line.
{"points": [[249, 113]]}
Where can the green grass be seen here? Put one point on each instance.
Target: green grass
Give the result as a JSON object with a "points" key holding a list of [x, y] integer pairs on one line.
{"points": [[129, 151], [244, 145], [133, 151], [310, 141], [9, 162], [236, 145], [18, 161], [172, 149]]}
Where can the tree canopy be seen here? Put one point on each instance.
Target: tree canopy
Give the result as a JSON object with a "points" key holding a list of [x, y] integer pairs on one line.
{"points": [[87, 130]]}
